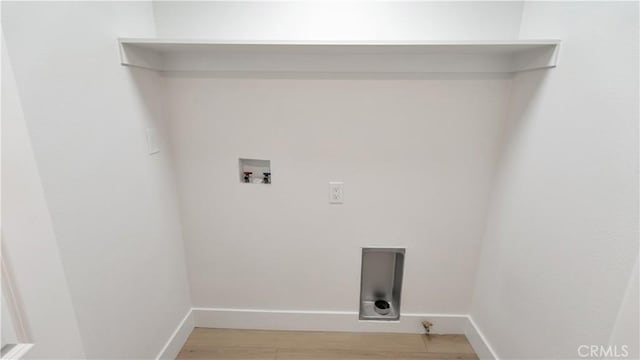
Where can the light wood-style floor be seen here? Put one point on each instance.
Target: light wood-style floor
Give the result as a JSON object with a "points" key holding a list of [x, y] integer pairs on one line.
{"points": [[204, 343]]}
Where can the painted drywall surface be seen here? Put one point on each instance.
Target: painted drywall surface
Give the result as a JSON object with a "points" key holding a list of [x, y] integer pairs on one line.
{"points": [[113, 206], [416, 158], [29, 246], [338, 20], [8, 332], [625, 331], [562, 231], [287, 235]]}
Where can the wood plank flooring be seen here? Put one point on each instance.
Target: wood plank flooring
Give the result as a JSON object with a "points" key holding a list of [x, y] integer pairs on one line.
{"points": [[204, 343]]}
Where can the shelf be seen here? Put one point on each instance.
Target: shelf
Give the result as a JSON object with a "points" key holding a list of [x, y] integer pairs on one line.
{"points": [[502, 56]]}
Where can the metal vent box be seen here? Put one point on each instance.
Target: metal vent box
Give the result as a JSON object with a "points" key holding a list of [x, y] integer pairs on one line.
{"points": [[381, 279]]}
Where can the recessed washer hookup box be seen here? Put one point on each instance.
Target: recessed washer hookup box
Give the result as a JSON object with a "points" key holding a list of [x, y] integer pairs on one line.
{"points": [[381, 283]]}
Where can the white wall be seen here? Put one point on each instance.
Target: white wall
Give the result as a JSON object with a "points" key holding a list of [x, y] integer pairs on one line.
{"points": [[7, 331], [29, 246], [279, 241], [562, 232], [338, 20], [416, 165], [625, 330], [560, 239], [113, 206]]}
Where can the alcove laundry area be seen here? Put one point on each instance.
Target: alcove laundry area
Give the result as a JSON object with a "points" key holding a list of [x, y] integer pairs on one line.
{"points": [[320, 180]]}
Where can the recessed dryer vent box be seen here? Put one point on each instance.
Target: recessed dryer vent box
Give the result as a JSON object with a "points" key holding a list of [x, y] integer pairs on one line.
{"points": [[381, 283], [254, 171]]}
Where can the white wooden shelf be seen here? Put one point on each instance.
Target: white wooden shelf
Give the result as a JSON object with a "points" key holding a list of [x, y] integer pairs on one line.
{"points": [[500, 56]]}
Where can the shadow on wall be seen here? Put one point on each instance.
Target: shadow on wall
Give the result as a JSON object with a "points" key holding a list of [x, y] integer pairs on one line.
{"points": [[302, 75], [150, 90], [525, 92]]}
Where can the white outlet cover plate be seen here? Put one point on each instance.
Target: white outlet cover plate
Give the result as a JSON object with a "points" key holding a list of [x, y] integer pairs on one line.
{"points": [[336, 192]]}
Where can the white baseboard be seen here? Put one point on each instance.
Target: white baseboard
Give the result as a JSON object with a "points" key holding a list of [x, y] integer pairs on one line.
{"points": [[323, 321], [479, 342], [178, 338]]}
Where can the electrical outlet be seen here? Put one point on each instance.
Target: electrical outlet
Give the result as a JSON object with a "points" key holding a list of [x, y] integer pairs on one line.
{"points": [[336, 192]]}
